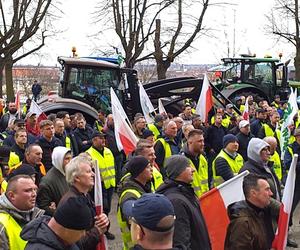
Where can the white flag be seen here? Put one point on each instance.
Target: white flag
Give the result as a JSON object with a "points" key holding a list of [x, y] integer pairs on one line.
{"points": [[146, 105], [161, 108]]}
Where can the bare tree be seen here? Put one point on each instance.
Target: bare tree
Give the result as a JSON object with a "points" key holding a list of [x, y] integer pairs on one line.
{"points": [[22, 22], [284, 23]]}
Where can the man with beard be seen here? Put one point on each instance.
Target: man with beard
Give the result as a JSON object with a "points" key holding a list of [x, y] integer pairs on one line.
{"points": [[7, 117]]}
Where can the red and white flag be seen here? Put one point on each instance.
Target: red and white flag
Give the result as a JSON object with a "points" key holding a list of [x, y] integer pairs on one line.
{"points": [[35, 108], [125, 138], [215, 202], [246, 110], [280, 239], [102, 245], [205, 102], [18, 104]]}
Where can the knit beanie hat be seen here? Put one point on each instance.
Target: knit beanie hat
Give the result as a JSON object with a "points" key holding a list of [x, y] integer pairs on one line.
{"points": [[75, 214], [147, 133], [228, 139], [136, 165], [175, 165]]}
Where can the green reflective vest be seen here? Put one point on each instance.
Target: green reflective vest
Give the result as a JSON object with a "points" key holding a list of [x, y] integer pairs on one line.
{"points": [[167, 148], [154, 129], [234, 164], [124, 226], [200, 177], [277, 166], [106, 164], [13, 230], [68, 142]]}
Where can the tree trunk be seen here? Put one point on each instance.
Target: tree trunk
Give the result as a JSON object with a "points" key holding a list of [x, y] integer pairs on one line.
{"points": [[1, 80], [297, 62], [162, 68], [9, 80]]}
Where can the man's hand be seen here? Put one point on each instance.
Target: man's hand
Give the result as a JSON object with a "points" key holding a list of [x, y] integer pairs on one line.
{"points": [[101, 223]]}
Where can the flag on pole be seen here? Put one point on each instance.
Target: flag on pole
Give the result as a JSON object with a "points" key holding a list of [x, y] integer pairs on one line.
{"points": [[205, 102], [102, 245], [246, 110], [35, 108], [161, 108], [18, 104], [280, 239], [215, 202], [146, 104], [288, 116], [125, 138]]}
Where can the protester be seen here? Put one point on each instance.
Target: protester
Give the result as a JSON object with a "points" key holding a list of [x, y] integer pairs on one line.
{"points": [[244, 136], [152, 222], [130, 189], [36, 90], [63, 230], [17, 208], [251, 220], [54, 185], [83, 134], [9, 116], [228, 162], [190, 229], [106, 164]]}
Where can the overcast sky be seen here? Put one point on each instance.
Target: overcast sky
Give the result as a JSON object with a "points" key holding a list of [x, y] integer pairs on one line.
{"points": [[249, 25]]}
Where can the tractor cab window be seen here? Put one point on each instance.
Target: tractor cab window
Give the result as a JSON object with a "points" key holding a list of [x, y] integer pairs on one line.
{"points": [[259, 73], [92, 85]]}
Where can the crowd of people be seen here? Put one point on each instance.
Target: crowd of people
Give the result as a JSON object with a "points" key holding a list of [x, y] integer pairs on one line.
{"points": [[47, 177]]}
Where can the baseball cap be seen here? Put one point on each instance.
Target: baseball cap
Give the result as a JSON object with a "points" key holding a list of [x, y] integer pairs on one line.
{"points": [[243, 123], [19, 121], [150, 209], [29, 114], [98, 134], [229, 106]]}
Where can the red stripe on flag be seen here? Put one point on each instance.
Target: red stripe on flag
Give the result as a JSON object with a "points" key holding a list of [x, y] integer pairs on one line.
{"points": [[215, 215], [209, 102], [101, 245], [279, 241], [128, 146]]}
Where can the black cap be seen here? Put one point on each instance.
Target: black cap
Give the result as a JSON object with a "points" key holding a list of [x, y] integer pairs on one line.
{"points": [[136, 165], [97, 134], [23, 169], [158, 118], [75, 213], [147, 133], [19, 121]]}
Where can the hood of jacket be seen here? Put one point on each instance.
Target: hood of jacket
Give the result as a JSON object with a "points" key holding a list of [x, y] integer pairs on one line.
{"points": [[58, 155], [22, 216], [254, 148], [236, 210], [37, 231]]}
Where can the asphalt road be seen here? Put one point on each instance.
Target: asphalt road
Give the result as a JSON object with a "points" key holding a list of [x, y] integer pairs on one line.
{"points": [[117, 243]]}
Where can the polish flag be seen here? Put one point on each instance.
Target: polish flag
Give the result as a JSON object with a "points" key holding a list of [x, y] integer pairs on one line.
{"points": [[205, 102], [246, 110], [280, 239], [35, 108], [125, 138], [102, 245], [215, 202]]}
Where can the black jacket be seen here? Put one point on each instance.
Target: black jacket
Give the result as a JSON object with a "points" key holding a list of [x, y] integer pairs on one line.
{"points": [[190, 229], [19, 151], [4, 121], [40, 236], [47, 148], [83, 135], [243, 144], [10, 140], [214, 138]]}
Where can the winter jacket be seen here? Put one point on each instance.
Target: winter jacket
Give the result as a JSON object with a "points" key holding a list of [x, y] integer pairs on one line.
{"points": [[40, 236], [5, 120], [243, 144], [10, 140], [47, 147], [18, 151], [54, 185], [84, 135], [214, 138], [255, 126], [190, 229], [255, 165], [250, 227], [21, 217]]}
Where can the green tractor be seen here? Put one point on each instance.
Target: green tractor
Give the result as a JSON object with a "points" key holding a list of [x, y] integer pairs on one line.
{"points": [[247, 75]]}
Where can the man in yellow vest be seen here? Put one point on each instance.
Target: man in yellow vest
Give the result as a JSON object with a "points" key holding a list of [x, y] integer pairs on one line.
{"points": [[106, 163], [194, 151], [166, 146], [275, 158], [17, 208], [271, 127], [228, 162], [131, 188]]}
